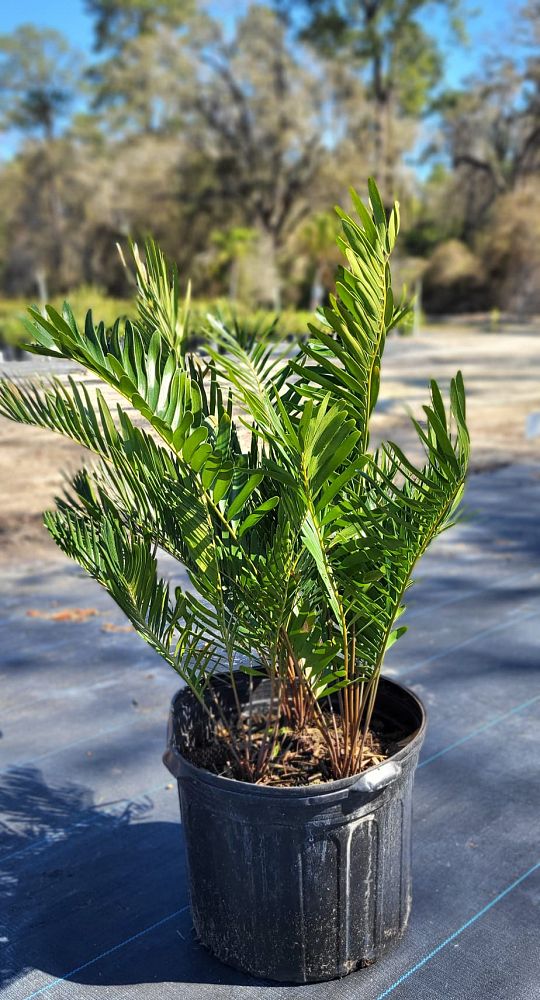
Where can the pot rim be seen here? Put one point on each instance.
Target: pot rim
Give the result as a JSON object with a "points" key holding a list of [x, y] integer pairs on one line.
{"points": [[173, 756]]}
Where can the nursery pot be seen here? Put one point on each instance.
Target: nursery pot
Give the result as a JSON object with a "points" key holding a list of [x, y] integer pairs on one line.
{"points": [[306, 883]]}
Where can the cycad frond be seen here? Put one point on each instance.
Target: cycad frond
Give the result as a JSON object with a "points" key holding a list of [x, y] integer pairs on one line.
{"points": [[158, 297], [344, 358], [146, 374], [400, 509], [255, 373]]}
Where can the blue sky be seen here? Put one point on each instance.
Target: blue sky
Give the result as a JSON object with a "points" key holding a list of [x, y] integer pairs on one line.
{"points": [[69, 16], [492, 26]]}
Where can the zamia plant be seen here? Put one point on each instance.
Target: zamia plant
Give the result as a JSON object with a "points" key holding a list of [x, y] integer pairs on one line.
{"points": [[255, 472]]}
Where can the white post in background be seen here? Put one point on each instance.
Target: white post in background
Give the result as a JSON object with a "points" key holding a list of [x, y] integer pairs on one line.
{"points": [[417, 308]]}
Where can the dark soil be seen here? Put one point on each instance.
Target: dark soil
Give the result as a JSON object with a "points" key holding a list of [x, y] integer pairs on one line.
{"points": [[300, 758]]}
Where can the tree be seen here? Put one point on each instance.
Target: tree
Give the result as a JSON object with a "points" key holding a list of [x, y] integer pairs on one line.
{"points": [[39, 81], [491, 127], [39, 77], [138, 89], [231, 247], [399, 61], [117, 22], [263, 116], [135, 79], [253, 119], [510, 247], [318, 238], [37, 244], [431, 213]]}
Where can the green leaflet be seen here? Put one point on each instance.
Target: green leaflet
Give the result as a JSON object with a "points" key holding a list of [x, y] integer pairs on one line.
{"points": [[243, 495], [256, 515]]}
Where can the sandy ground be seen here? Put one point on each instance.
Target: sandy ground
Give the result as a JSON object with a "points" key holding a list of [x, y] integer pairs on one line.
{"points": [[502, 375]]}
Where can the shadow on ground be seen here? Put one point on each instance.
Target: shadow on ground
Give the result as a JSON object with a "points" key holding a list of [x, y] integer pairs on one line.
{"points": [[76, 881]]}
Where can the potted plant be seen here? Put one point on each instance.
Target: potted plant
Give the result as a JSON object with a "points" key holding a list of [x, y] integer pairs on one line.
{"points": [[294, 758]]}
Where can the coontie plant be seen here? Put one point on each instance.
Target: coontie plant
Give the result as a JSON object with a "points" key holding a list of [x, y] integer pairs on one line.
{"points": [[255, 472]]}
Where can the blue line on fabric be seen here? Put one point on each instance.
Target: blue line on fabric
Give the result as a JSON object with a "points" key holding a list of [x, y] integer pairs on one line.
{"points": [[109, 951], [467, 642], [417, 666], [477, 916], [457, 598], [67, 746], [480, 729], [390, 989]]}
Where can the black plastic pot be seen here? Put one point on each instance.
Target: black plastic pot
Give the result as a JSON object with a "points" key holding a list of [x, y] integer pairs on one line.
{"points": [[299, 884]]}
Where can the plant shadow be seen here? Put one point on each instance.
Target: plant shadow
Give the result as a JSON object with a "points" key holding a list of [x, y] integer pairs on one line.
{"points": [[99, 898]]}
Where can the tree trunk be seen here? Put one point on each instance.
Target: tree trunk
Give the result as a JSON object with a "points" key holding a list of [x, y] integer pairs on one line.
{"points": [[274, 277], [317, 289], [233, 279], [378, 141], [388, 152], [40, 277]]}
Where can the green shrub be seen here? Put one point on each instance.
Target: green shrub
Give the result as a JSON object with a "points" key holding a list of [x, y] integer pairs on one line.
{"points": [[510, 249], [455, 280], [13, 312]]}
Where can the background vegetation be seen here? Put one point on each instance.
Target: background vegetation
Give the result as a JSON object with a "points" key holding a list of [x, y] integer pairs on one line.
{"points": [[231, 143]]}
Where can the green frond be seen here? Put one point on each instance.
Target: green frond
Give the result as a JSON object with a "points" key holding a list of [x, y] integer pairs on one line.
{"points": [[255, 374], [126, 565], [344, 358], [158, 298], [145, 372], [68, 410]]}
